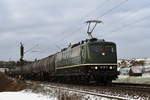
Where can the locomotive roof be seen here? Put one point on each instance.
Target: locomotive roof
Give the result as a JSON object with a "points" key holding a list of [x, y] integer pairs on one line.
{"points": [[84, 42], [93, 40]]}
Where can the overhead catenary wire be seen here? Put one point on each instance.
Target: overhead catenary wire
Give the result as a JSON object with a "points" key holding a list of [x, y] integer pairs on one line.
{"points": [[86, 15], [102, 15], [105, 13], [129, 17], [94, 10], [110, 10], [129, 25], [31, 48]]}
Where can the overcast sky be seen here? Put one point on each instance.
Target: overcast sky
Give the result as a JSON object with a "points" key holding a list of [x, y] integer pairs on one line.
{"points": [[48, 25]]}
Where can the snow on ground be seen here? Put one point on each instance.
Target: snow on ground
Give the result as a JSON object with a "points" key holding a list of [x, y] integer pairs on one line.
{"points": [[22, 95], [144, 79], [146, 75]]}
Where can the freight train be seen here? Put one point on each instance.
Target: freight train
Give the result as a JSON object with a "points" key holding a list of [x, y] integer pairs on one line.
{"points": [[91, 60]]}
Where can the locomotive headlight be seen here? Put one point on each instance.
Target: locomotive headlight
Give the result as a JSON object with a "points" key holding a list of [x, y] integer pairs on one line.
{"points": [[103, 54], [110, 67], [96, 67]]}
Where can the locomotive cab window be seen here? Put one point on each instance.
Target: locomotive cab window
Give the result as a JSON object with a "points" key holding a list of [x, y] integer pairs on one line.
{"points": [[96, 48], [109, 49]]}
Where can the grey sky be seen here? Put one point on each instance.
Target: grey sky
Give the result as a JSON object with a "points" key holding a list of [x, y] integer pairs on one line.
{"points": [[55, 22]]}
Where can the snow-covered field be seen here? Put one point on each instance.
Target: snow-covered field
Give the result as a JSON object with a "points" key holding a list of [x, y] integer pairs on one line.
{"points": [[144, 79], [27, 95], [22, 95]]}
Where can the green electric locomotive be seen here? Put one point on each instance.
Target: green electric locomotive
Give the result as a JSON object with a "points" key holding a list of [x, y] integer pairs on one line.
{"points": [[90, 60]]}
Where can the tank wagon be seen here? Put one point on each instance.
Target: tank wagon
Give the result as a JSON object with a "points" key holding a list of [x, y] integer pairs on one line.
{"points": [[86, 61]]}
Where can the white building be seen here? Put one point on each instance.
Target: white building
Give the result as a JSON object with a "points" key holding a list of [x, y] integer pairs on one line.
{"points": [[147, 61]]}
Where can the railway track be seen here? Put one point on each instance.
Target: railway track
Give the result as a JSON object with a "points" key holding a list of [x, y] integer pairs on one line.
{"points": [[131, 84], [116, 91], [139, 87], [90, 93]]}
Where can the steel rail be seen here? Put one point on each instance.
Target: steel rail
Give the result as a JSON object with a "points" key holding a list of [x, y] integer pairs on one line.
{"points": [[141, 87], [95, 92], [89, 93], [131, 84]]}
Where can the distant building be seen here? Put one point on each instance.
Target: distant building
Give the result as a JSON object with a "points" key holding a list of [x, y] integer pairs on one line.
{"points": [[146, 69], [147, 61], [124, 63], [134, 67], [136, 71], [124, 70]]}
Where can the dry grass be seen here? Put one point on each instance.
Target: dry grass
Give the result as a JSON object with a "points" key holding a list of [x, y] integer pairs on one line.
{"points": [[7, 84], [69, 96]]}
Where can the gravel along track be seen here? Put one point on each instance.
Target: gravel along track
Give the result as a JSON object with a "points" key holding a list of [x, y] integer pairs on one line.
{"points": [[138, 87], [113, 92]]}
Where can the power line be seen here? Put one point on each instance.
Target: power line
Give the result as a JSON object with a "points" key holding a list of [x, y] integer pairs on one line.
{"points": [[100, 6], [122, 21], [31, 48], [105, 13], [110, 10], [86, 15], [130, 24]]}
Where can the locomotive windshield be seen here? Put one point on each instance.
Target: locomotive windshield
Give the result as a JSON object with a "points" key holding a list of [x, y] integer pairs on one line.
{"points": [[96, 48], [109, 49], [100, 48], [102, 53]]}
